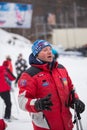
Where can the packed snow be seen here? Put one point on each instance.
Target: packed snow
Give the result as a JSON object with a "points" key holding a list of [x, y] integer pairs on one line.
{"points": [[77, 70]]}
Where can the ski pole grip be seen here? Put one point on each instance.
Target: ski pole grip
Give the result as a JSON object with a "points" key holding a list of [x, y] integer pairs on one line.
{"points": [[73, 97]]}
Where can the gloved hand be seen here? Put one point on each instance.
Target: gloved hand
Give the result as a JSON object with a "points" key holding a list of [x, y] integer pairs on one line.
{"points": [[44, 103], [79, 106]]}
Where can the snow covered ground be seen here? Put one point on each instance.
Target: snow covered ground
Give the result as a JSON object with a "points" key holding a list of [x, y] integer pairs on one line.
{"points": [[76, 66]]}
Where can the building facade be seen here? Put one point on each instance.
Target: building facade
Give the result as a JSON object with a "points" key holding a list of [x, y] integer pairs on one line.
{"points": [[51, 14]]}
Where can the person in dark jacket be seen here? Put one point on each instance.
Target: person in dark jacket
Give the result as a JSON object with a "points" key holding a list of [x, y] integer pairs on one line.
{"points": [[5, 76], [20, 66], [45, 91]]}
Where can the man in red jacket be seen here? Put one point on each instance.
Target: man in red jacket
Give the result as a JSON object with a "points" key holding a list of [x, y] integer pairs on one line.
{"points": [[5, 76], [45, 91], [3, 124]]}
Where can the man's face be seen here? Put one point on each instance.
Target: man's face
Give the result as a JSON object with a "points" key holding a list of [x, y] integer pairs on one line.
{"points": [[46, 54]]}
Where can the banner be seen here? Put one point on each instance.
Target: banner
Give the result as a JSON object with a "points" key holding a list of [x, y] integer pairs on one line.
{"points": [[15, 15]]}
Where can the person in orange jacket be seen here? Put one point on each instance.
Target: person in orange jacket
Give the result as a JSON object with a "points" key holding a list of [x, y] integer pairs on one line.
{"points": [[3, 124], [5, 76], [45, 91]]}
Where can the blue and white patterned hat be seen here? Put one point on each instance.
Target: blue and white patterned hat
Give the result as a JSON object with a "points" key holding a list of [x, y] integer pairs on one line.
{"points": [[38, 45]]}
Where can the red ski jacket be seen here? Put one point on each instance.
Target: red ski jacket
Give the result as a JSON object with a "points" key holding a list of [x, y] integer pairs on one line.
{"points": [[5, 75], [10, 67], [34, 85]]}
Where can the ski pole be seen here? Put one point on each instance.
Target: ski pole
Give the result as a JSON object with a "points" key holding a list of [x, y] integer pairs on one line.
{"points": [[77, 115], [76, 118], [80, 123]]}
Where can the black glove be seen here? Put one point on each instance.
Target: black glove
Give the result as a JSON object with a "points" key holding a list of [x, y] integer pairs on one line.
{"points": [[44, 103], [79, 106]]}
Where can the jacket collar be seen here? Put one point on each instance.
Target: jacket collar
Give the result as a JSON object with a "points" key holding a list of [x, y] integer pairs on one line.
{"points": [[33, 61]]}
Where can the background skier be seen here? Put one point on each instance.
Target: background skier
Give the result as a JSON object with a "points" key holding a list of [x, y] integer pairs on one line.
{"points": [[5, 77]]}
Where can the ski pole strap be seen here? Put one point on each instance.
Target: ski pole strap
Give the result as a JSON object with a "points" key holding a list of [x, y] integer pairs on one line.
{"points": [[73, 94], [68, 103]]}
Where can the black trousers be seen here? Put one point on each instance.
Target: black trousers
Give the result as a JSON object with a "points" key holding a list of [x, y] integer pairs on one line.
{"points": [[7, 100]]}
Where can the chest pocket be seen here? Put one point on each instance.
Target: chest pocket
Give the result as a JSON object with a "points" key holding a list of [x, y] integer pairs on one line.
{"points": [[42, 80]]}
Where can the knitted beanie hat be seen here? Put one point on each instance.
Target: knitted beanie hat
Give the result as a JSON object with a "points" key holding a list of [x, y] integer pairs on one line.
{"points": [[38, 45]]}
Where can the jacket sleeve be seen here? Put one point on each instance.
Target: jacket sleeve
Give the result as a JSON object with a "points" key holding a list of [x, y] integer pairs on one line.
{"points": [[10, 75], [71, 88], [27, 92]]}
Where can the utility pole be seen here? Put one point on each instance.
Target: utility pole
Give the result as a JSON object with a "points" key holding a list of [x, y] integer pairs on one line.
{"points": [[75, 15]]}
